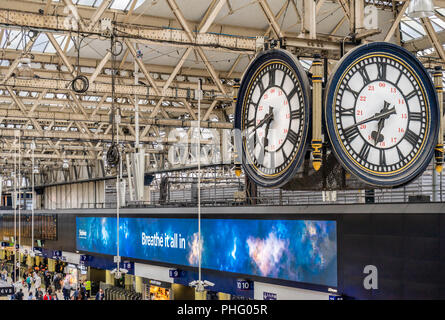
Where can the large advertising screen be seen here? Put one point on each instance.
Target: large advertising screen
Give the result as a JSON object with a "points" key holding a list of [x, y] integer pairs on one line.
{"points": [[295, 250]]}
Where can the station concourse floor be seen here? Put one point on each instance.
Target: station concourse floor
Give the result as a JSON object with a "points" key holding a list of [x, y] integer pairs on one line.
{"points": [[26, 292]]}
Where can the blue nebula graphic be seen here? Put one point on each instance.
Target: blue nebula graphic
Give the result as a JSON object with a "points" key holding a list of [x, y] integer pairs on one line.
{"points": [[295, 250]]}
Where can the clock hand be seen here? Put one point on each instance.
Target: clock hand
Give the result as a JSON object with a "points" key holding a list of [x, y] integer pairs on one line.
{"points": [[266, 133], [376, 135], [377, 116], [267, 118]]}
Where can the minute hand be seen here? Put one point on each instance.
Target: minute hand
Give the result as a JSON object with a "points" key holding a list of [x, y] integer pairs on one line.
{"points": [[267, 118], [377, 116]]}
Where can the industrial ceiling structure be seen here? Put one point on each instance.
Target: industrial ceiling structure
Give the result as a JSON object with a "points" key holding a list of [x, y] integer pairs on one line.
{"points": [[158, 50]]}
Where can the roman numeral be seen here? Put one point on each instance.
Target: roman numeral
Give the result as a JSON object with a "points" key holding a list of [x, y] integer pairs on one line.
{"points": [[364, 75], [251, 142], [415, 116], [411, 137], [354, 93], [292, 136], [292, 93], [364, 151], [260, 85], [282, 81], [346, 112], [250, 123], [284, 154], [272, 160], [381, 67], [272, 78], [398, 78], [350, 133], [296, 114], [410, 95], [261, 157], [382, 157], [400, 154]]}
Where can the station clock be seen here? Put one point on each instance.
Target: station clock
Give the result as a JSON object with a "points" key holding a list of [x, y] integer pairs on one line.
{"points": [[272, 115], [382, 114]]}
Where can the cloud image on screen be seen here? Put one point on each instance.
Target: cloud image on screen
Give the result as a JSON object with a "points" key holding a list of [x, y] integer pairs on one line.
{"points": [[266, 253], [193, 254]]}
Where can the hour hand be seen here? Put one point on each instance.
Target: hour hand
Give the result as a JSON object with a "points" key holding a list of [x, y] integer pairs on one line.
{"points": [[266, 119], [378, 137]]}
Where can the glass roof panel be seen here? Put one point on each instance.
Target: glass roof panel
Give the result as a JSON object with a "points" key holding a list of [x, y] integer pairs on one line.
{"points": [[41, 43], [120, 4], [415, 25], [89, 3], [140, 2]]}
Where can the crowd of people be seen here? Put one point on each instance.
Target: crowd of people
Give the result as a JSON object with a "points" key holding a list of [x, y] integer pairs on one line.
{"points": [[40, 284]]}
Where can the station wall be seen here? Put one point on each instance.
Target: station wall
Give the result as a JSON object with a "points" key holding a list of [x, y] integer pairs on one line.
{"points": [[406, 242]]}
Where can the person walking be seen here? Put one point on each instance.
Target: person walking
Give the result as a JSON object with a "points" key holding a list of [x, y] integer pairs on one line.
{"points": [[39, 294], [47, 296], [100, 295], [66, 289], [47, 279], [76, 294], [37, 281], [83, 291], [29, 282], [19, 295]]}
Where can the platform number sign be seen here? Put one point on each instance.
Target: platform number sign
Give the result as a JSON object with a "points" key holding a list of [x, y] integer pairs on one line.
{"points": [[5, 291], [244, 285]]}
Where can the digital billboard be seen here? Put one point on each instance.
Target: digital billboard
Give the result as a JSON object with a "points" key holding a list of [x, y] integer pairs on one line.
{"points": [[295, 250]]}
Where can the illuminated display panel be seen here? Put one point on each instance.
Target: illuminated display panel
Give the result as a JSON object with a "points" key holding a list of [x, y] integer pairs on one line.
{"points": [[295, 250], [45, 226]]}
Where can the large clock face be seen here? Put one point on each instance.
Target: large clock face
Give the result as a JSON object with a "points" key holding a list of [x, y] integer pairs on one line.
{"points": [[272, 115], [382, 114]]}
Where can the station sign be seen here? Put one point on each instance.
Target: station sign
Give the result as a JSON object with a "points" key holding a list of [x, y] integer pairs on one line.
{"points": [[5, 291], [242, 284], [269, 296], [128, 265], [176, 273], [57, 253]]}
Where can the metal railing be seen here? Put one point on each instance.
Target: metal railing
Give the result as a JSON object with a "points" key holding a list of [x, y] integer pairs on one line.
{"points": [[277, 198]]}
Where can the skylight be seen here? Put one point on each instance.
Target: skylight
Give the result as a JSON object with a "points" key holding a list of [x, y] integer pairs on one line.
{"points": [[120, 4]]}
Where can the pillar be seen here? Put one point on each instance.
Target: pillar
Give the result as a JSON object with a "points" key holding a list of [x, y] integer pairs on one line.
{"points": [[201, 295], [223, 296], [29, 261], [138, 282], [128, 281], [109, 278], [51, 265]]}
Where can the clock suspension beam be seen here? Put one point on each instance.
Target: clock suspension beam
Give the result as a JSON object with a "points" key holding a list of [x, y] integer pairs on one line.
{"points": [[317, 78], [438, 150]]}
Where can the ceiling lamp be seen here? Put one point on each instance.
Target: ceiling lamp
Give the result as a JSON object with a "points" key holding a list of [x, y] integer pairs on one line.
{"points": [[24, 68], [65, 164], [420, 9]]}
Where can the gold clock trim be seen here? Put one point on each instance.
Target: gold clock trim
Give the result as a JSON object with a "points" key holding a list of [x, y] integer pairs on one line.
{"points": [[427, 106]]}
